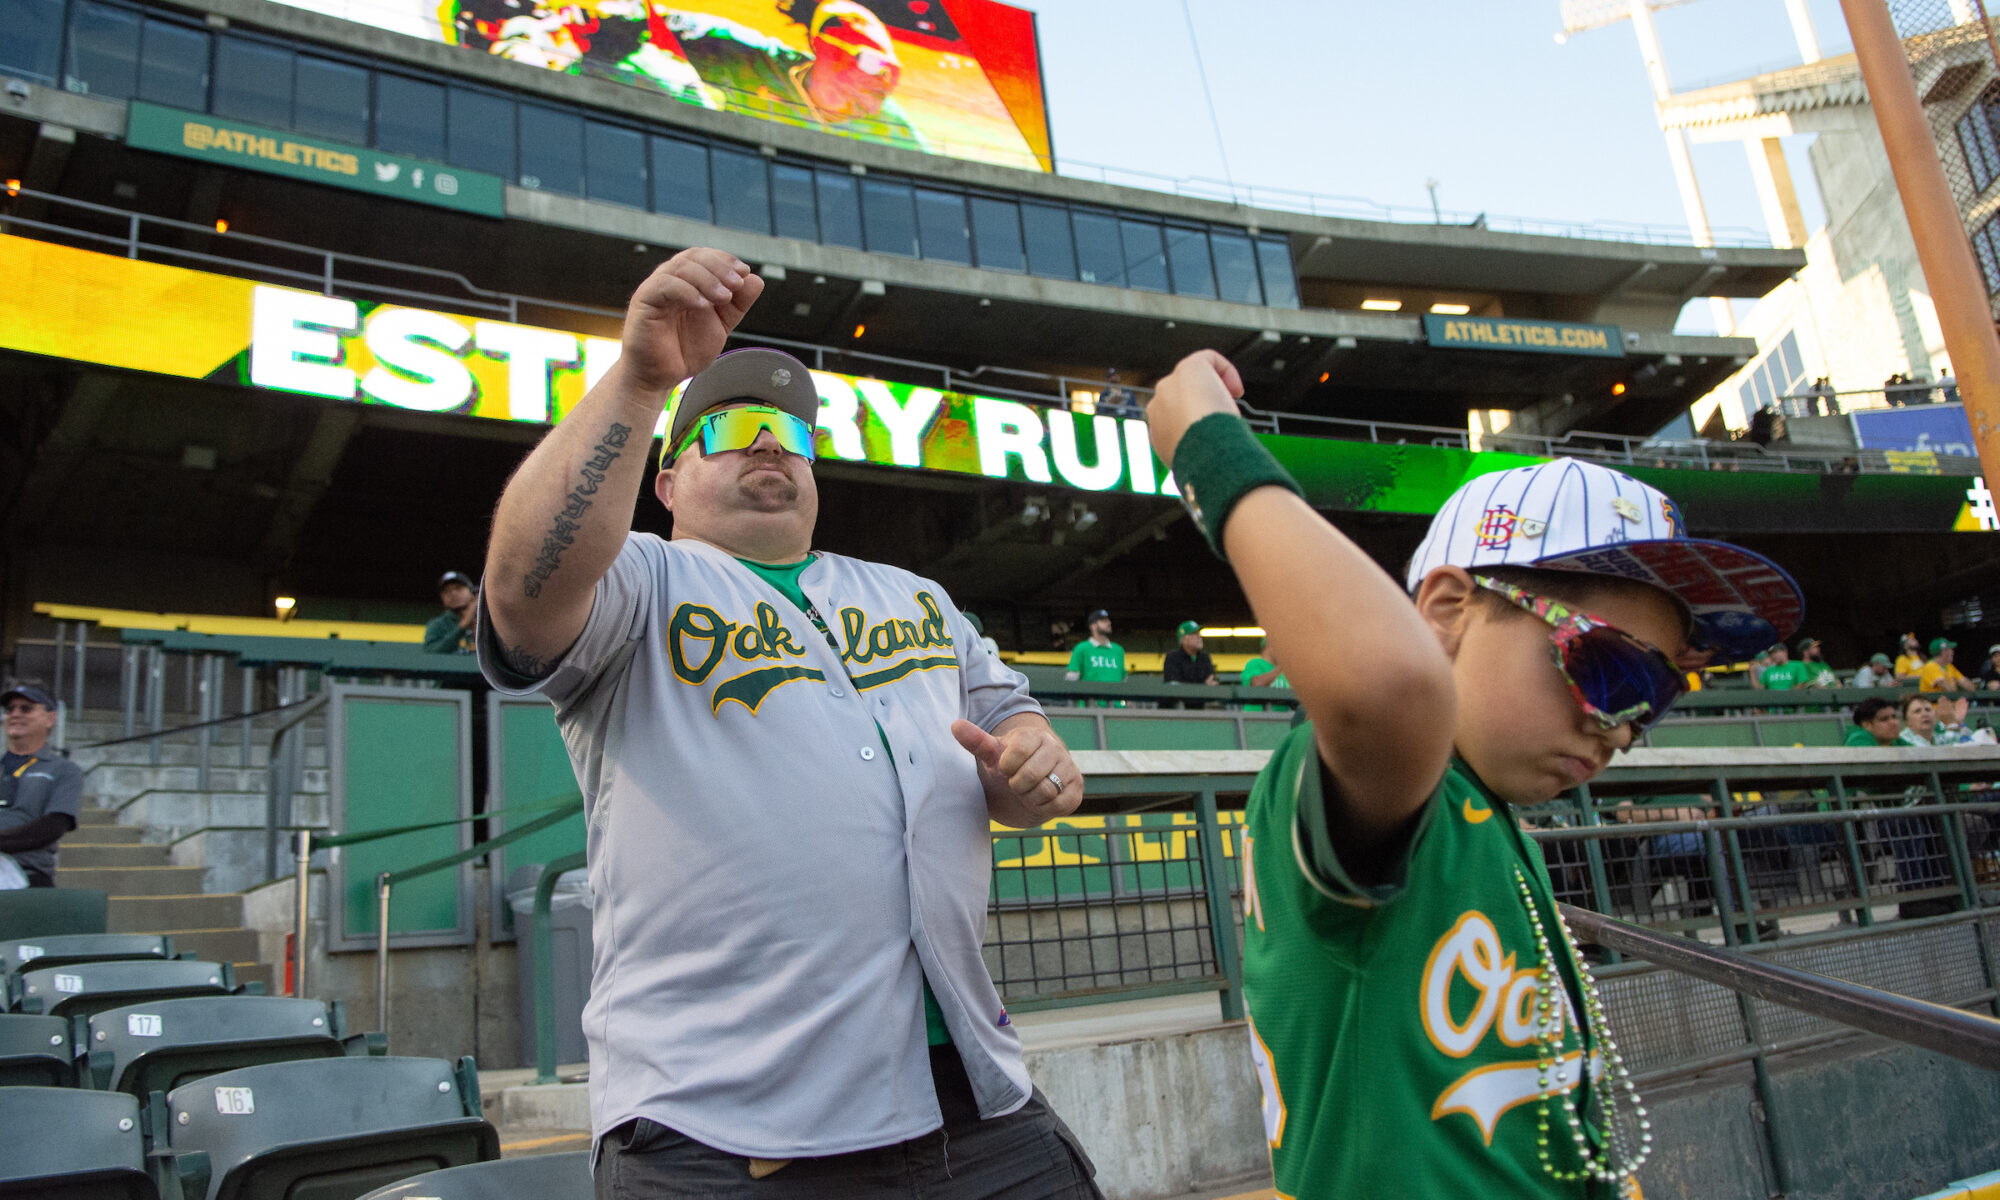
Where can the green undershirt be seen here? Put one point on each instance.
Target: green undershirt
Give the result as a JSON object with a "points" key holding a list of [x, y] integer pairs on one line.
{"points": [[785, 578]]}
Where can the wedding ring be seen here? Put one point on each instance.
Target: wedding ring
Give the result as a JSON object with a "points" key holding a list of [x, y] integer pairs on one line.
{"points": [[1055, 781]]}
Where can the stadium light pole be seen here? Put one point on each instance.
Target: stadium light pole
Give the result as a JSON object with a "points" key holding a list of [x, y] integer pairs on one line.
{"points": [[1943, 249]]}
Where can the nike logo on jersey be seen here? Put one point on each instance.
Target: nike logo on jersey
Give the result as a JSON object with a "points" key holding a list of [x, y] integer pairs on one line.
{"points": [[1474, 816]]}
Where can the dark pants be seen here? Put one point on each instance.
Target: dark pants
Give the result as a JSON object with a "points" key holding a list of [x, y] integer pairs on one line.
{"points": [[1027, 1155], [37, 879]]}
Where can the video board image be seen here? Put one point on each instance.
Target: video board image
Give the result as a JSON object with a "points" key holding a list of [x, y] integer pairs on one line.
{"points": [[954, 77]]}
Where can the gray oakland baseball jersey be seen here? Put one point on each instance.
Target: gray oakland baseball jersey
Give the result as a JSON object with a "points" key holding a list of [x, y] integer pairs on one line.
{"points": [[775, 875]]}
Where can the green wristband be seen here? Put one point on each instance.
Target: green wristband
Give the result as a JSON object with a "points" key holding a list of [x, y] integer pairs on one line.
{"points": [[1218, 462]]}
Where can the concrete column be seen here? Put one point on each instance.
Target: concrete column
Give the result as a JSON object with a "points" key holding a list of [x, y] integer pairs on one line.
{"points": [[1773, 176]]}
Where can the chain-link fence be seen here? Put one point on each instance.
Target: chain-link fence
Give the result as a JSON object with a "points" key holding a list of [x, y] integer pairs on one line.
{"points": [[1955, 59]]}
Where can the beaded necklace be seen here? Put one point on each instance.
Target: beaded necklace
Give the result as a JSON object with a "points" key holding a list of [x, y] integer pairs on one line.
{"points": [[1619, 1163]]}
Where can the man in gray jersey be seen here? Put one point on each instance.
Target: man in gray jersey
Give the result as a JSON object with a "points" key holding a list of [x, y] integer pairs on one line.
{"points": [[789, 759]]}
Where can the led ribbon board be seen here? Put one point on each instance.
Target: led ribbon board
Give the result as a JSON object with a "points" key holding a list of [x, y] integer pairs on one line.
{"points": [[141, 316]]}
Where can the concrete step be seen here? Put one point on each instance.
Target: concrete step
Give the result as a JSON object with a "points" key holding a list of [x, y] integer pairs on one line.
{"points": [[169, 914], [79, 854], [167, 815], [133, 881], [218, 945], [121, 781], [98, 817]]}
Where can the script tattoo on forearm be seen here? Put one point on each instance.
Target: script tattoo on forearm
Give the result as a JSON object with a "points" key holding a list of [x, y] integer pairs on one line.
{"points": [[518, 660], [562, 533]]}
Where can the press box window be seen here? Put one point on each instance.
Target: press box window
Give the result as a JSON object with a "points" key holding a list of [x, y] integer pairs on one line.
{"points": [[680, 178], [551, 150], [33, 45], [1051, 250], [996, 234], [173, 65], [1986, 245], [616, 160], [253, 82], [742, 189], [1281, 290], [888, 216], [839, 208], [941, 226], [792, 204], [479, 134], [1980, 141], [1145, 255], [1100, 253], [103, 52], [330, 100], [1187, 254], [409, 117], [1235, 268]]}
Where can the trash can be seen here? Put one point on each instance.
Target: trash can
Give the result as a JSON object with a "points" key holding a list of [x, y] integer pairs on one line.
{"points": [[569, 943]]}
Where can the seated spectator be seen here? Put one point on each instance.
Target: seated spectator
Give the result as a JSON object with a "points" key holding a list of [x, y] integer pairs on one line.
{"points": [[1879, 673], [1989, 671], [1813, 659], [1260, 671], [1910, 661], [1919, 721], [1876, 722], [450, 632], [1783, 674], [1188, 662], [1938, 675], [979, 627], [41, 791], [1758, 665], [1951, 726]]}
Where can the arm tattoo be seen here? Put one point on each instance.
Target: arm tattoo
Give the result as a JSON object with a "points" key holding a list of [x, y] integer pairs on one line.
{"points": [[562, 534], [518, 660]]}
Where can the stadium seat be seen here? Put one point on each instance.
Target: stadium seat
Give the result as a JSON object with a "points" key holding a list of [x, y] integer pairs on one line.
{"points": [[47, 912], [540, 1176], [325, 1129], [82, 989], [35, 1052], [64, 949], [157, 1046], [72, 1144]]}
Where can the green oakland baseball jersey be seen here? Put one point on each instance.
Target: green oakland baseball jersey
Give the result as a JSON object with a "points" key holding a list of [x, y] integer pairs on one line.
{"points": [[1393, 1027], [1098, 664]]}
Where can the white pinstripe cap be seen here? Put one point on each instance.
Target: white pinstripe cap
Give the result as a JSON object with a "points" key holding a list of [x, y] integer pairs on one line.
{"points": [[1570, 515]]}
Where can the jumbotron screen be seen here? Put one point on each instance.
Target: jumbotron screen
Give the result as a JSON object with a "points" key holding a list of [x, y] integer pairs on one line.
{"points": [[955, 77]]}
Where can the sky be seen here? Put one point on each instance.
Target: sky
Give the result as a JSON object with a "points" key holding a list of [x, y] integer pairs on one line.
{"points": [[1367, 101]]}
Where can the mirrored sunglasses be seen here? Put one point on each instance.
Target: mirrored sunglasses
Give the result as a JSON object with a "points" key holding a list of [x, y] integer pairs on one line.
{"points": [[738, 428], [1615, 677]]}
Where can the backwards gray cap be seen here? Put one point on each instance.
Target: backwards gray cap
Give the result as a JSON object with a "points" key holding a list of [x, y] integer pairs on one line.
{"points": [[758, 375]]}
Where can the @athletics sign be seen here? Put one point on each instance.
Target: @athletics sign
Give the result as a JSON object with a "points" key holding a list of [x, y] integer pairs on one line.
{"points": [[255, 148]]}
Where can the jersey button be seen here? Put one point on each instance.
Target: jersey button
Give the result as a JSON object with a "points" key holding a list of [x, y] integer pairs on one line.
{"points": [[867, 754], [836, 691]]}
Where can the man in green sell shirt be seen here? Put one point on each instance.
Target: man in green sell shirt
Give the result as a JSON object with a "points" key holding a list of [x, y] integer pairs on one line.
{"points": [[1783, 674], [1419, 1018], [1097, 659], [450, 632]]}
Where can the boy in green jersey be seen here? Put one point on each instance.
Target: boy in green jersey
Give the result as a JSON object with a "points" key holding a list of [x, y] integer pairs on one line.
{"points": [[1419, 1020]]}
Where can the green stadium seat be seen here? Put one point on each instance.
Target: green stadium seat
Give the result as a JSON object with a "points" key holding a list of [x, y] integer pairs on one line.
{"points": [[540, 1176], [159, 1045], [323, 1129], [47, 912], [35, 1052], [72, 1144], [82, 989], [29, 954]]}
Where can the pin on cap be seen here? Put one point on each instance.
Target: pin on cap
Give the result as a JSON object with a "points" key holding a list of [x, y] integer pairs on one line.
{"points": [[1570, 515]]}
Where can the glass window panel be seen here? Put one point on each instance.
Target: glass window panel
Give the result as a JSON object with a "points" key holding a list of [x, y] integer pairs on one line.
{"points": [[1989, 266], [330, 99], [1748, 395], [1982, 126], [103, 52], [941, 226], [1145, 255], [551, 150], [409, 117], [680, 178], [1975, 153], [616, 159], [253, 82], [173, 65], [479, 133], [742, 189], [1187, 254], [996, 234], [1235, 267], [792, 203], [1274, 256], [889, 216], [1051, 251], [1760, 379], [1100, 255], [1788, 350], [839, 208], [33, 45]]}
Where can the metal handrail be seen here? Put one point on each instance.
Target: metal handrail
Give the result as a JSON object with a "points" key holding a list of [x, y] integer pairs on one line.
{"points": [[1953, 1032]]}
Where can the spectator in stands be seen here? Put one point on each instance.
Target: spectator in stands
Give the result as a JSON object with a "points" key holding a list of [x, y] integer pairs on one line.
{"points": [[1758, 665], [41, 791], [1188, 662], [1813, 659], [1938, 675], [1909, 659], [1876, 723], [979, 627], [1116, 401], [1783, 674], [1919, 721], [1952, 729], [1879, 672], [1820, 398], [1097, 659], [1989, 671], [450, 632], [1260, 671]]}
